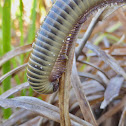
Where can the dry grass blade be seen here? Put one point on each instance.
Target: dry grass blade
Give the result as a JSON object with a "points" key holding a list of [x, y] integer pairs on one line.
{"points": [[33, 121], [14, 53], [12, 72], [100, 15], [61, 101], [64, 100], [50, 100], [84, 105], [88, 32], [40, 107], [107, 59], [14, 90], [118, 51], [109, 10], [103, 77], [93, 90], [121, 16], [52, 97], [19, 116], [94, 77], [88, 63], [112, 90], [112, 111], [43, 111], [67, 83], [122, 121], [65, 89]]}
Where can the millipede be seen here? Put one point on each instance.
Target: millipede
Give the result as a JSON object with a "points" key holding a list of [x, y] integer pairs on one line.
{"points": [[51, 47]]}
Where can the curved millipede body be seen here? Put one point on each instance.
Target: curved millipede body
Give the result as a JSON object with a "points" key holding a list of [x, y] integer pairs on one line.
{"points": [[54, 39]]}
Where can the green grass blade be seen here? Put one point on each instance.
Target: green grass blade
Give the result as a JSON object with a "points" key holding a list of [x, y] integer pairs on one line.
{"points": [[6, 23], [0, 30], [21, 31], [31, 33], [6, 29], [21, 27]]}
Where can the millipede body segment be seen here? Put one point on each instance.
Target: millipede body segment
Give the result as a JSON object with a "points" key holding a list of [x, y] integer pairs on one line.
{"points": [[54, 39]]}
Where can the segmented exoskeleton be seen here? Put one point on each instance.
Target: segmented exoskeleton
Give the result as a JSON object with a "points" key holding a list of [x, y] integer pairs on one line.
{"points": [[54, 39]]}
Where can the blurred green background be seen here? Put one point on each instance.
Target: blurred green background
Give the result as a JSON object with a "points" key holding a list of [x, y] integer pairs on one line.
{"points": [[19, 21]]}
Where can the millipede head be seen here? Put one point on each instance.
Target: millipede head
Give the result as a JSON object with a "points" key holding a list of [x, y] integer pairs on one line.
{"points": [[55, 85]]}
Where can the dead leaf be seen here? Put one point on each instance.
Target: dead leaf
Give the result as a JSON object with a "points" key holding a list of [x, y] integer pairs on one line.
{"points": [[112, 90]]}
